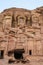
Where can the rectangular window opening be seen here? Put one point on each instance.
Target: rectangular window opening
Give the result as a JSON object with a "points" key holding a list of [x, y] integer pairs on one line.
{"points": [[1, 54], [30, 52]]}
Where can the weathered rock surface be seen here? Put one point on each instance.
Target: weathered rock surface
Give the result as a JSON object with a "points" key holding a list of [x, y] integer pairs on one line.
{"points": [[21, 29]]}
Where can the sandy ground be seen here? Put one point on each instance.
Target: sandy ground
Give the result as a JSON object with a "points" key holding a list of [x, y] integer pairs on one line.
{"points": [[30, 63], [33, 61]]}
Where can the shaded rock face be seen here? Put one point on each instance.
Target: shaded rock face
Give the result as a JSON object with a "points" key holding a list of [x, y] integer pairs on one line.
{"points": [[21, 29]]}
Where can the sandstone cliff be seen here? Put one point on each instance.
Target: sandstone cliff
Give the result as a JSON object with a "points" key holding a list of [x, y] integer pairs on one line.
{"points": [[22, 26]]}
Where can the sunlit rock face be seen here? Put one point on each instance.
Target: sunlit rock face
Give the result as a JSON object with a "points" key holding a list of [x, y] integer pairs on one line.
{"points": [[21, 29]]}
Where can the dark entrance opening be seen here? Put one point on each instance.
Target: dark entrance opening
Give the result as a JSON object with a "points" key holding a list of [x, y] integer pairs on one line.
{"points": [[30, 52], [18, 53], [1, 54]]}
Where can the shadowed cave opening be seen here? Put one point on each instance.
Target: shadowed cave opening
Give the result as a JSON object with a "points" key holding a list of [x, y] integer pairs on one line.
{"points": [[18, 53]]}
